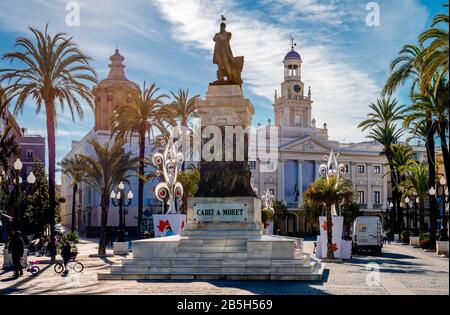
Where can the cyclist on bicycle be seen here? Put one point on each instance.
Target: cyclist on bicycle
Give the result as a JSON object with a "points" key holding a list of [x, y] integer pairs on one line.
{"points": [[66, 254]]}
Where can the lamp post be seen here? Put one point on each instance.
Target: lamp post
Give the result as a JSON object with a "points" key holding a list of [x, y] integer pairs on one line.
{"points": [[17, 181], [444, 231], [123, 205], [407, 200]]}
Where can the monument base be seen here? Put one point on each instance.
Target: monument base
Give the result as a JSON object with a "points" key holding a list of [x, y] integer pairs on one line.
{"points": [[217, 249]]}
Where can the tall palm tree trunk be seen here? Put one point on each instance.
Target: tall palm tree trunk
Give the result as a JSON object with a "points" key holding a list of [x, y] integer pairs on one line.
{"points": [[74, 195], [445, 153], [395, 193], [103, 226], [50, 120], [400, 216], [141, 181], [431, 180], [330, 252]]}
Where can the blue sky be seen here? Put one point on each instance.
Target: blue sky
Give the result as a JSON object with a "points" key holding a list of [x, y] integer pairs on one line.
{"points": [[170, 41]]}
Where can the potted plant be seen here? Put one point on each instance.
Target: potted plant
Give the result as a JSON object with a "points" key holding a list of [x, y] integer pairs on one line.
{"points": [[425, 240], [405, 236]]}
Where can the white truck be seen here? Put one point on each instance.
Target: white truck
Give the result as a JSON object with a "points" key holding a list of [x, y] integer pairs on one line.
{"points": [[367, 234]]}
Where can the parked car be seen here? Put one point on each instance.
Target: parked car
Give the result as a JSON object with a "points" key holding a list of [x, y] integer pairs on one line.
{"points": [[59, 229], [367, 234]]}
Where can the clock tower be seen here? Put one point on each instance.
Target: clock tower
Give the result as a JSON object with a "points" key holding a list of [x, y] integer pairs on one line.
{"points": [[293, 106]]}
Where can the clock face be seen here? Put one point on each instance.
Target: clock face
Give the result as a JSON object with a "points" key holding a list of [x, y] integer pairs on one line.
{"points": [[297, 88]]}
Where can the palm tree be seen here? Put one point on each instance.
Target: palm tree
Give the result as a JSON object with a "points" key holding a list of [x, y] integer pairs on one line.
{"points": [[431, 110], [183, 107], [53, 70], [74, 168], [8, 150], [328, 192], [436, 54], [382, 123], [401, 158], [142, 116], [416, 184], [407, 66], [105, 171]]}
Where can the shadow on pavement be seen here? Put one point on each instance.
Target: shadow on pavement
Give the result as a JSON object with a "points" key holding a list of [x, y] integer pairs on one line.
{"points": [[17, 284]]}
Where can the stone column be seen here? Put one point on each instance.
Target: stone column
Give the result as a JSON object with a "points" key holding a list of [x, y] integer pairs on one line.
{"points": [[385, 186], [281, 181], [316, 170], [260, 177], [353, 173], [369, 187], [300, 182]]}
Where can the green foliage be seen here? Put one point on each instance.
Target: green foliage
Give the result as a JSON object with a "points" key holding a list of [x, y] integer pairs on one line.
{"points": [[349, 210], [38, 201], [190, 180], [312, 211], [280, 209], [266, 216], [425, 240], [405, 235], [329, 191], [71, 237]]}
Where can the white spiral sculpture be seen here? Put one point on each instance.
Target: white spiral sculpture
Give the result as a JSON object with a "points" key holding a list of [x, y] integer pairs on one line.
{"points": [[169, 188]]}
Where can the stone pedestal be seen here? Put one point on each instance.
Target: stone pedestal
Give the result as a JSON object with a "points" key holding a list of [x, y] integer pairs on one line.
{"points": [[7, 259], [121, 248], [442, 248], [223, 237], [414, 241]]}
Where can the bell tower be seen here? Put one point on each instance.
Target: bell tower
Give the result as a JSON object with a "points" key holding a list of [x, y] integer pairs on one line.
{"points": [[293, 106], [113, 91]]}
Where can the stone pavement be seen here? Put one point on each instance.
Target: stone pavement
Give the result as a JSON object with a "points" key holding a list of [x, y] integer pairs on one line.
{"points": [[399, 270]]}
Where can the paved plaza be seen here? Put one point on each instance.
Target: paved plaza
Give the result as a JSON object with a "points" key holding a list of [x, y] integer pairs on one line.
{"points": [[402, 270]]}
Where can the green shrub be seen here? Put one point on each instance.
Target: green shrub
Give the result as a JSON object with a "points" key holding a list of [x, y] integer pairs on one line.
{"points": [[405, 236], [266, 216], [425, 240], [72, 237]]}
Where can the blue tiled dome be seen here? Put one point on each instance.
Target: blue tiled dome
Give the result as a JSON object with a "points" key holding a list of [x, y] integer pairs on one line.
{"points": [[293, 55]]}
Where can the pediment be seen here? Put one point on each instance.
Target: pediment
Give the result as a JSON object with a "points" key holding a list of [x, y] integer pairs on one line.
{"points": [[307, 144]]}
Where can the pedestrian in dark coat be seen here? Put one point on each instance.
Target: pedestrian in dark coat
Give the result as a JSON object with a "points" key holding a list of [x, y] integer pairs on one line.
{"points": [[16, 248], [66, 253]]}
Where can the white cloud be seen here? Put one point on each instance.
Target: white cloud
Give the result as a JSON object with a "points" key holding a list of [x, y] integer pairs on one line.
{"points": [[337, 86]]}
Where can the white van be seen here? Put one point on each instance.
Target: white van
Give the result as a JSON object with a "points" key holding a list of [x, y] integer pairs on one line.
{"points": [[367, 234]]}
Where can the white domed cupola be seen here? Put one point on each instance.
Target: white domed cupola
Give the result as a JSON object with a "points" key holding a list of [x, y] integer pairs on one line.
{"points": [[292, 64]]}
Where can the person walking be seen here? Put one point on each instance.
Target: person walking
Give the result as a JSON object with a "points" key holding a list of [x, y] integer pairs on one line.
{"points": [[16, 248], [66, 254]]}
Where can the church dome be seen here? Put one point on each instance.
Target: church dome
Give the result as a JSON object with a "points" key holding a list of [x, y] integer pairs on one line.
{"points": [[293, 55]]}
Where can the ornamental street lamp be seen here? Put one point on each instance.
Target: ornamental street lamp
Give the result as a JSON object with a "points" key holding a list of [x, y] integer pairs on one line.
{"points": [[444, 230], [123, 211], [17, 182], [407, 200], [268, 199]]}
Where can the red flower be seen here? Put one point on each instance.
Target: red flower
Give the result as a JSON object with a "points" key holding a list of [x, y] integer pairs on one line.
{"points": [[324, 225], [334, 247], [162, 225]]}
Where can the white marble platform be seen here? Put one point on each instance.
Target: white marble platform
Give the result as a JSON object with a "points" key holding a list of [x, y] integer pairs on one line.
{"points": [[241, 253]]}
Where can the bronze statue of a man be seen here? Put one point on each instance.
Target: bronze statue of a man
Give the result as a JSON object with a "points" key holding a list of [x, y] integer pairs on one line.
{"points": [[228, 66]]}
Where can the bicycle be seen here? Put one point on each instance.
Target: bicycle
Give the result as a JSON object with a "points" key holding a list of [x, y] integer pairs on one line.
{"points": [[32, 268], [71, 265]]}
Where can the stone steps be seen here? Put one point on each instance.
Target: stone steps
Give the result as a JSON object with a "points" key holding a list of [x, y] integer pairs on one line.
{"points": [[312, 273], [228, 268]]}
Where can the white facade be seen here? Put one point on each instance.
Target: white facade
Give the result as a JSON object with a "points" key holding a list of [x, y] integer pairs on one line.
{"points": [[302, 147]]}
